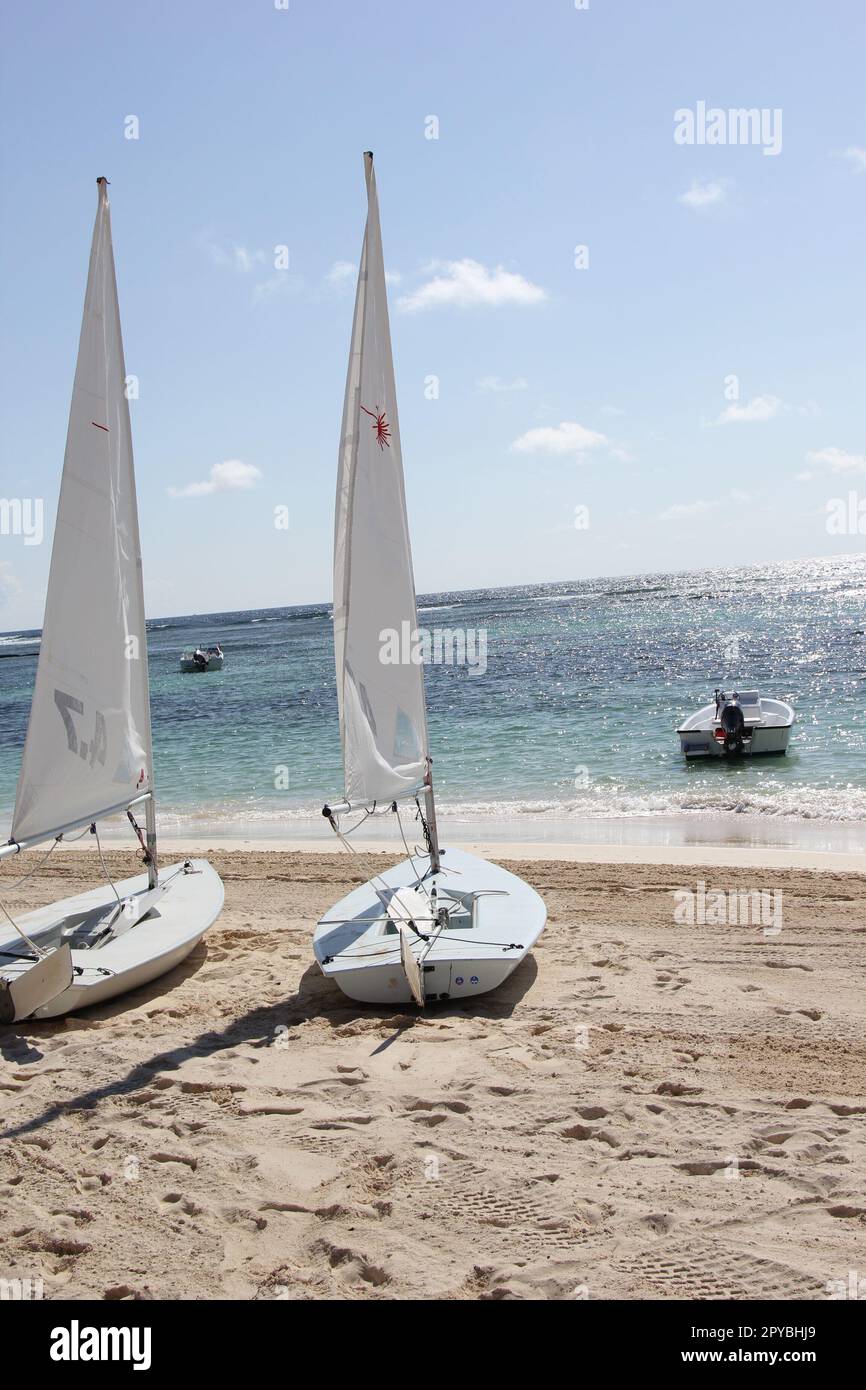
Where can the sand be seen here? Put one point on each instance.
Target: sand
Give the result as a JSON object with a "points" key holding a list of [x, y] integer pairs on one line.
{"points": [[645, 1110]]}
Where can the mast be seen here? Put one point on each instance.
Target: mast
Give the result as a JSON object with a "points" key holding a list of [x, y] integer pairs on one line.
{"points": [[432, 827], [150, 804]]}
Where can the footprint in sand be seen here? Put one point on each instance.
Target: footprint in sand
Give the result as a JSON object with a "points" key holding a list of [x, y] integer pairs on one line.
{"points": [[459, 1107], [242, 1216], [660, 1222], [584, 1132], [162, 1157], [186, 1204], [349, 1266], [670, 982], [93, 1182]]}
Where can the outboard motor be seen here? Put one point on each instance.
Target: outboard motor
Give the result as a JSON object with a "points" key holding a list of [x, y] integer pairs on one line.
{"points": [[734, 726]]}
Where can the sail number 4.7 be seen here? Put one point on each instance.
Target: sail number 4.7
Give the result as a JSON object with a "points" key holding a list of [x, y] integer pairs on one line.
{"points": [[93, 751]]}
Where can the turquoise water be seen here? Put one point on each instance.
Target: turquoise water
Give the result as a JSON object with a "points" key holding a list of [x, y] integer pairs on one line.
{"points": [[573, 721]]}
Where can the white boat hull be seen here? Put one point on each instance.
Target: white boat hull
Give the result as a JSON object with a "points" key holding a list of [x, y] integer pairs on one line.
{"points": [[191, 902], [190, 667], [702, 744], [357, 946], [768, 730]]}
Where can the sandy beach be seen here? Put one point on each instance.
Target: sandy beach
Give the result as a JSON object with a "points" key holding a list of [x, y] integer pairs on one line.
{"points": [[647, 1110]]}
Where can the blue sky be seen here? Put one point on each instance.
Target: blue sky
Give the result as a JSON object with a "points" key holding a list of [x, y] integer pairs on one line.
{"points": [[559, 387]]}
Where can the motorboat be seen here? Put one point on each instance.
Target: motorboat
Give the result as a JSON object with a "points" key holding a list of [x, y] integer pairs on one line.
{"points": [[743, 723], [203, 659]]}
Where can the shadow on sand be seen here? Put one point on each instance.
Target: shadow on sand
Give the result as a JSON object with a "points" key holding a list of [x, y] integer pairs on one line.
{"points": [[316, 998]]}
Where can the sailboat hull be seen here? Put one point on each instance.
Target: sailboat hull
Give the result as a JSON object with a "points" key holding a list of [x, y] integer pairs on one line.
{"points": [[191, 901], [494, 920]]}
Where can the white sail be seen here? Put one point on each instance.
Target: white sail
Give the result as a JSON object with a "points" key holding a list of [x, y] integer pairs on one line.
{"points": [[383, 720], [88, 746]]}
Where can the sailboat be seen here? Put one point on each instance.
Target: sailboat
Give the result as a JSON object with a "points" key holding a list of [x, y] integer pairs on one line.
{"points": [[87, 754], [442, 924]]}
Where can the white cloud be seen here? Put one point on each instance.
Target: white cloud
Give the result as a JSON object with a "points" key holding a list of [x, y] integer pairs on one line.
{"points": [[341, 273], [497, 385], [10, 587], [758, 410], [810, 410], [468, 283], [238, 258], [856, 156], [835, 460], [231, 476], [704, 193], [281, 282], [245, 260], [250, 263], [567, 439], [683, 511], [341, 276]]}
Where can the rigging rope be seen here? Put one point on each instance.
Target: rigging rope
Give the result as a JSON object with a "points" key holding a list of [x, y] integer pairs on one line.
{"points": [[32, 944], [109, 879], [409, 852], [17, 884], [90, 829], [351, 848], [30, 872]]}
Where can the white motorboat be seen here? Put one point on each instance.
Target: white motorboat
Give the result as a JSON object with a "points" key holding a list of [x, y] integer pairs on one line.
{"points": [[88, 753], [441, 924], [200, 659], [743, 723]]}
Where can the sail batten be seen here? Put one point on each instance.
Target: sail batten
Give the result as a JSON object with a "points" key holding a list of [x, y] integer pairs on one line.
{"points": [[88, 744], [383, 718]]}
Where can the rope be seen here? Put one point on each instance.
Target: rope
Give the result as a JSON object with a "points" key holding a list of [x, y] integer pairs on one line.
{"points": [[91, 829], [352, 829], [146, 855], [360, 955], [17, 884], [371, 955], [425, 828], [32, 944], [30, 872], [351, 848], [109, 879], [499, 945], [409, 853]]}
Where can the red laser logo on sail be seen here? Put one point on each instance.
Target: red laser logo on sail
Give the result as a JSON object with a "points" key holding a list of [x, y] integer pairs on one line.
{"points": [[380, 425]]}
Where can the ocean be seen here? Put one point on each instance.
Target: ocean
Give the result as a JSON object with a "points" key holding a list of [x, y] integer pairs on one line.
{"points": [[566, 730]]}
